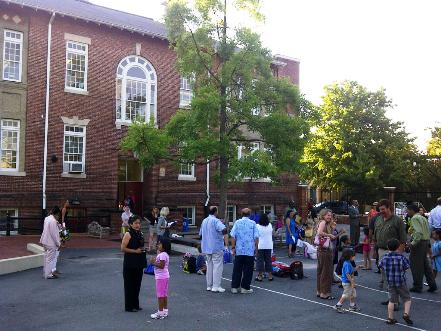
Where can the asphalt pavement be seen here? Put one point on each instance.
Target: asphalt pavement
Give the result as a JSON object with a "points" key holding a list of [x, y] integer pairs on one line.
{"points": [[89, 296]]}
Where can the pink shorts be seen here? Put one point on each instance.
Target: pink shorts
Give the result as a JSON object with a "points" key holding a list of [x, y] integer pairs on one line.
{"points": [[161, 288], [366, 248]]}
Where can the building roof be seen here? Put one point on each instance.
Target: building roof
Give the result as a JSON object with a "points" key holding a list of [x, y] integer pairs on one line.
{"points": [[82, 9]]}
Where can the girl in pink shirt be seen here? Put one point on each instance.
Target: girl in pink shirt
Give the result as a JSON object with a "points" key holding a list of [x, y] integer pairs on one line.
{"points": [[162, 277]]}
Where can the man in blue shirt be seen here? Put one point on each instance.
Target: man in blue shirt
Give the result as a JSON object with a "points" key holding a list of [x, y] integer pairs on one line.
{"points": [[214, 237], [245, 239]]}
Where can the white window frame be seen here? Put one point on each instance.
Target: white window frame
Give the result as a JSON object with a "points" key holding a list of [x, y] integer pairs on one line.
{"points": [[234, 214], [193, 212], [4, 128], [121, 82], [20, 63], [263, 209], [15, 221], [86, 64], [190, 177], [185, 90], [75, 134]]}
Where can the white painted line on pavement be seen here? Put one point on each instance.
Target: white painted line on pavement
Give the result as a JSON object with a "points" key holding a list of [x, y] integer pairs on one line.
{"points": [[329, 306], [415, 298]]}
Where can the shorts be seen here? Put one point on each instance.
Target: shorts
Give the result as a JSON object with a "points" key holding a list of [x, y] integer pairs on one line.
{"points": [[396, 292], [366, 248], [162, 288], [348, 291], [152, 230]]}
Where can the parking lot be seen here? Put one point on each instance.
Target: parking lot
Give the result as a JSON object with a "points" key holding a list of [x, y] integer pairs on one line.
{"points": [[89, 296]]}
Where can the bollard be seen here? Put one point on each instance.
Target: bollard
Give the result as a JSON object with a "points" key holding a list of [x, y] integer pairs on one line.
{"points": [[8, 225]]}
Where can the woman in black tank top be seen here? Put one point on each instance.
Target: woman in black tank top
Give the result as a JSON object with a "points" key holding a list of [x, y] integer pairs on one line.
{"points": [[134, 263]]}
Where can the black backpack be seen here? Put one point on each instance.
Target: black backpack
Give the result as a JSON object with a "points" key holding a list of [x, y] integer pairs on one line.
{"points": [[189, 264], [296, 270]]}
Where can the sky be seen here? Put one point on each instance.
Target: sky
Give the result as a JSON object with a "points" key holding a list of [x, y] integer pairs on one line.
{"points": [[391, 44]]}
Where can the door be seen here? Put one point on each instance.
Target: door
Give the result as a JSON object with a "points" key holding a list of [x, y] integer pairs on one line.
{"points": [[130, 178]]}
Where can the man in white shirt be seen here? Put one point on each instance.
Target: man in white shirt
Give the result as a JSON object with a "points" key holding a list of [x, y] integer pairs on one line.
{"points": [[50, 239], [435, 216]]}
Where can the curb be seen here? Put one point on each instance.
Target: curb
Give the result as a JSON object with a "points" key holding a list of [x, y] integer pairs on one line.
{"points": [[21, 263]]}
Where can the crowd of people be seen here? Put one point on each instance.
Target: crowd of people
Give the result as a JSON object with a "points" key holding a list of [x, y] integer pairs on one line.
{"points": [[386, 239]]}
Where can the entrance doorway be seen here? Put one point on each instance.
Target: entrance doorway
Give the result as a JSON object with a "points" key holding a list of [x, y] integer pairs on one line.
{"points": [[130, 178]]}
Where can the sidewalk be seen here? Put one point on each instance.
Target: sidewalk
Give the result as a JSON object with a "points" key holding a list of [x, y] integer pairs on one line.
{"points": [[15, 246]]}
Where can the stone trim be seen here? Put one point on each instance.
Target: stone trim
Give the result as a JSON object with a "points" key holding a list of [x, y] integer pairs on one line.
{"points": [[68, 175], [76, 91], [79, 39], [189, 178], [12, 173], [75, 121]]}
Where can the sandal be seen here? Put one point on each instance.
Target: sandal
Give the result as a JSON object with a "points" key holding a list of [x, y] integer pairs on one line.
{"points": [[407, 319], [391, 321], [258, 279], [327, 298], [270, 279]]}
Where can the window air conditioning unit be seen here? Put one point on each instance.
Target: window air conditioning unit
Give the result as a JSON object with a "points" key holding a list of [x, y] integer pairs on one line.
{"points": [[75, 168]]}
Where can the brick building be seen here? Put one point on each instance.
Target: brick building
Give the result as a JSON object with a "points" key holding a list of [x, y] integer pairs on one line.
{"points": [[106, 67]]}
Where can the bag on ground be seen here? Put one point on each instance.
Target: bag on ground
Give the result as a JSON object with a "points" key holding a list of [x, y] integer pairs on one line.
{"points": [[296, 270], [228, 256], [189, 263], [281, 269]]}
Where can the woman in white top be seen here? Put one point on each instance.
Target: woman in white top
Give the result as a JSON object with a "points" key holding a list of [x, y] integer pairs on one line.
{"points": [[264, 248]]}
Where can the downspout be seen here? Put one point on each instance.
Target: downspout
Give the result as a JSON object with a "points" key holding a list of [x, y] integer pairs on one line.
{"points": [[46, 118], [208, 184]]}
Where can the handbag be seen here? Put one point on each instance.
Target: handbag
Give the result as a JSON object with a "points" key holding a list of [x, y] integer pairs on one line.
{"points": [[150, 270], [322, 241]]}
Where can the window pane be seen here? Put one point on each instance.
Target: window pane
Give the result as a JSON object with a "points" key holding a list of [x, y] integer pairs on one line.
{"points": [[12, 46], [134, 172], [9, 144], [76, 65], [136, 72]]}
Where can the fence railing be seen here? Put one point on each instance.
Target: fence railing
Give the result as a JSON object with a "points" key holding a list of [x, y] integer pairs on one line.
{"points": [[11, 225]]}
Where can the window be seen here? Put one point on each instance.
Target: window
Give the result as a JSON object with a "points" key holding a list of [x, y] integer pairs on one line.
{"points": [[14, 224], [74, 149], [135, 90], [185, 92], [188, 212], [243, 151], [76, 65], [266, 209], [129, 171], [231, 214], [12, 55], [186, 171], [10, 142]]}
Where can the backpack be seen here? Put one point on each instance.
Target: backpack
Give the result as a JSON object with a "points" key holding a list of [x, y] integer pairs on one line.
{"points": [[189, 264], [296, 270]]}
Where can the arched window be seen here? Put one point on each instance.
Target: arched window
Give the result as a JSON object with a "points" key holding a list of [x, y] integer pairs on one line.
{"points": [[135, 90]]}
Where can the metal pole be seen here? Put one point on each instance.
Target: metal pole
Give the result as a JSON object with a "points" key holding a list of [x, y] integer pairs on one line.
{"points": [[46, 117], [8, 224]]}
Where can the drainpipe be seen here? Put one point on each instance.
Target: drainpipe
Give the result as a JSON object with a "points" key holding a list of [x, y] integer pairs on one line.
{"points": [[208, 184], [46, 118]]}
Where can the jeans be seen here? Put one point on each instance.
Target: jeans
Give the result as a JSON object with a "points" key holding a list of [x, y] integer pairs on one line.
{"points": [[215, 267], [242, 271], [354, 229]]}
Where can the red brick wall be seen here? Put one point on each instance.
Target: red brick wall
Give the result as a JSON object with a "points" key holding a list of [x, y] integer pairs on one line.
{"points": [[99, 190]]}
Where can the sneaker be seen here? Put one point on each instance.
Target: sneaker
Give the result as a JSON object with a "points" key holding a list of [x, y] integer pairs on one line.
{"points": [[234, 290], [354, 308], [244, 291], [157, 316], [200, 272], [426, 284], [339, 308], [208, 288], [218, 290], [432, 289], [165, 313]]}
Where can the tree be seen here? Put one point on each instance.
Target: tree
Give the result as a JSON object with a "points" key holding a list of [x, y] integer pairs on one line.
{"points": [[237, 101], [355, 145], [434, 145]]}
